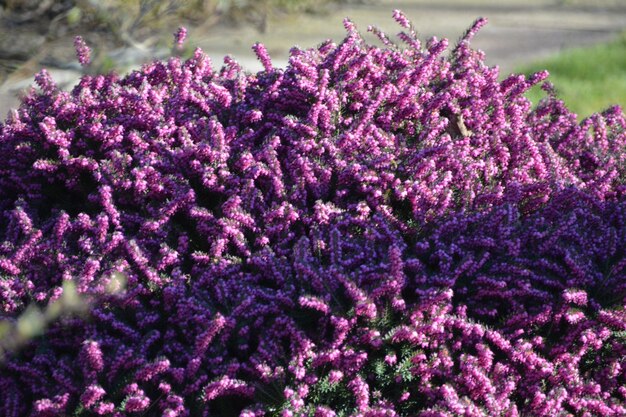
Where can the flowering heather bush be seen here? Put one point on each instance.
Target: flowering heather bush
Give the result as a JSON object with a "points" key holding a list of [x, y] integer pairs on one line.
{"points": [[368, 232]]}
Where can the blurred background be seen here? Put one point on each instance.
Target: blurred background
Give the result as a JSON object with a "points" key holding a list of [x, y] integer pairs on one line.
{"points": [[581, 42]]}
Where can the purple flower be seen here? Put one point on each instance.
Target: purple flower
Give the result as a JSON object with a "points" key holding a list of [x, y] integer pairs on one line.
{"points": [[83, 52], [180, 36]]}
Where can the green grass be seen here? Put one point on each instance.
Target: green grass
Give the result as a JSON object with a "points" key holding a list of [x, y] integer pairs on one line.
{"points": [[588, 80]]}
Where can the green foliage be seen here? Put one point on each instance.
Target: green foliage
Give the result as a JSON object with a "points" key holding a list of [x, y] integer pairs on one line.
{"points": [[586, 79], [336, 395]]}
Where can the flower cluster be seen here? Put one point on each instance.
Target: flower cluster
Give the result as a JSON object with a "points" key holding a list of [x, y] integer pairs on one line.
{"points": [[367, 232]]}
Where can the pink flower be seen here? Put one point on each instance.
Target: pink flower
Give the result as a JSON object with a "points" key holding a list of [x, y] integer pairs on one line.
{"points": [[92, 394], [83, 52], [180, 36]]}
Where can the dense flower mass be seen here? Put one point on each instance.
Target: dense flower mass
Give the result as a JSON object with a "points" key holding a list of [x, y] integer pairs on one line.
{"points": [[371, 231]]}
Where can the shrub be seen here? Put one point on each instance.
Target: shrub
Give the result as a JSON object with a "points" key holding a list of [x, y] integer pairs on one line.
{"points": [[370, 231]]}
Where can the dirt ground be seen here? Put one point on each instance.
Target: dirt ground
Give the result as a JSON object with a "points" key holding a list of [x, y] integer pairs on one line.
{"points": [[518, 32]]}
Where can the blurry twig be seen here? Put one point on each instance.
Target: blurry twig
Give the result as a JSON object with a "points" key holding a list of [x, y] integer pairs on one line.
{"points": [[15, 334], [28, 16]]}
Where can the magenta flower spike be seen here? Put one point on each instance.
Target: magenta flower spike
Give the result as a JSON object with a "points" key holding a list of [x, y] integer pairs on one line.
{"points": [[83, 52]]}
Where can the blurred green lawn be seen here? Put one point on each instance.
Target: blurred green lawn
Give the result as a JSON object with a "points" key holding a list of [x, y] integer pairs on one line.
{"points": [[588, 80]]}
